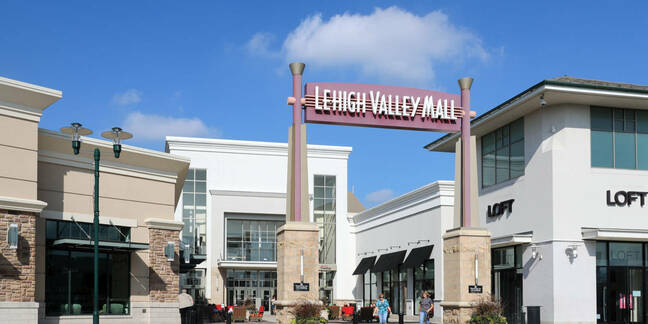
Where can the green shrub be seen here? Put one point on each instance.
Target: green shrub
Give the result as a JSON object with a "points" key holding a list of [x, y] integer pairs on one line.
{"points": [[488, 319]]}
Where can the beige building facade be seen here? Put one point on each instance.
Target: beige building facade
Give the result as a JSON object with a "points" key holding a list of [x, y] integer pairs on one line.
{"points": [[47, 193]]}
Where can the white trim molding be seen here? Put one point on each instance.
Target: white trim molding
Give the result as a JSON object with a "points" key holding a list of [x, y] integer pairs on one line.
{"points": [[174, 143], [513, 239], [19, 204], [165, 224], [614, 234], [259, 194], [258, 265]]}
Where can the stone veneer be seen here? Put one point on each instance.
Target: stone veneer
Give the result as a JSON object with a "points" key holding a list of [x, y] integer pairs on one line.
{"points": [[292, 239], [18, 267], [164, 275], [459, 248]]}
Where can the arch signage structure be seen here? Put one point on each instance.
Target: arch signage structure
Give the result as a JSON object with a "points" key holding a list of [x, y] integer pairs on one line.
{"points": [[382, 106]]}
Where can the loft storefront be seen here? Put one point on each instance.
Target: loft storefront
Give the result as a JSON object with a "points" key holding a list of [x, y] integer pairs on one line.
{"points": [[244, 185], [562, 185], [46, 201]]}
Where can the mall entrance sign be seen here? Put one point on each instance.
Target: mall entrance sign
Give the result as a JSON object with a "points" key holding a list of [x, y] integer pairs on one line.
{"points": [[380, 106]]}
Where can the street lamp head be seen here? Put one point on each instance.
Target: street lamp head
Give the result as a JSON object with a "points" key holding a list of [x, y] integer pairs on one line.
{"points": [[76, 131], [116, 135]]}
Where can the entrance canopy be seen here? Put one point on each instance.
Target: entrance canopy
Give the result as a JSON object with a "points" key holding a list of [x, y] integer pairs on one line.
{"points": [[389, 261], [103, 245], [364, 265], [417, 256]]}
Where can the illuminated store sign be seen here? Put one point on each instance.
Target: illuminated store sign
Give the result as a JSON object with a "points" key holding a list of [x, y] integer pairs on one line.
{"points": [[626, 198]]}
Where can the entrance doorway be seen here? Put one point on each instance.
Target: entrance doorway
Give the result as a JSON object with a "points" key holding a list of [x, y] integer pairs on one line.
{"points": [[257, 287], [507, 281], [620, 278]]}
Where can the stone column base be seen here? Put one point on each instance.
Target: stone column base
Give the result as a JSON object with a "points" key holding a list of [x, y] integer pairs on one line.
{"points": [[457, 312], [19, 312], [463, 249]]}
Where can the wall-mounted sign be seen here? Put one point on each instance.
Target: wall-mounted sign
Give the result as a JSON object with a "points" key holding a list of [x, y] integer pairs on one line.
{"points": [[500, 208], [625, 198], [474, 289], [301, 286], [382, 106]]}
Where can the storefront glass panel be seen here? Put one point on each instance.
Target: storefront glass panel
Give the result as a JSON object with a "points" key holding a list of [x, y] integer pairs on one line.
{"points": [[423, 281], [620, 282], [257, 287], [507, 281]]}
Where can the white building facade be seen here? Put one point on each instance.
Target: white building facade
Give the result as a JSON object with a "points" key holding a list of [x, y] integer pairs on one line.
{"points": [[563, 183], [232, 204]]}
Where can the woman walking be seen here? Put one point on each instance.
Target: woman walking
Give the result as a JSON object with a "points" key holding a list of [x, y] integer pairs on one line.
{"points": [[426, 308], [382, 306]]}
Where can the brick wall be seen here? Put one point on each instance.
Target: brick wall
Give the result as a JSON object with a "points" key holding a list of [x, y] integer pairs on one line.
{"points": [[164, 275], [18, 266]]}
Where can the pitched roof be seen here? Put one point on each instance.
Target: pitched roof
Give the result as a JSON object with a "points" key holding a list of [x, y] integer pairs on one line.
{"points": [[353, 203]]}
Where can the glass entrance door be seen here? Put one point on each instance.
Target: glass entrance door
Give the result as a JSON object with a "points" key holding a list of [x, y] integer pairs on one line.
{"points": [[623, 292], [507, 286]]}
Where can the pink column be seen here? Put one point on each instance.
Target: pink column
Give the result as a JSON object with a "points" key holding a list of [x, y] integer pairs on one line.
{"points": [[297, 69], [465, 84]]}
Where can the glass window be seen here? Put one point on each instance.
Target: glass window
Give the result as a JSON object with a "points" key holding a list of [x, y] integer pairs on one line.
{"points": [[324, 214], [619, 138], [194, 215], [625, 254], [249, 240], [503, 258], [601, 254], [502, 154], [69, 283], [423, 281]]}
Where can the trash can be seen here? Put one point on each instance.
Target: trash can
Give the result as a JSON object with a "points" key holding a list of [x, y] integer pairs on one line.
{"points": [[400, 318], [533, 314]]}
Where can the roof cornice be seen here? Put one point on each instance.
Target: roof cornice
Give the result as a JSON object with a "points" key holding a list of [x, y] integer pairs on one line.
{"points": [[174, 143]]}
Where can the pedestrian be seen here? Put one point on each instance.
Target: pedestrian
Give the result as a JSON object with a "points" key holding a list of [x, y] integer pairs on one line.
{"points": [[426, 308], [382, 308]]}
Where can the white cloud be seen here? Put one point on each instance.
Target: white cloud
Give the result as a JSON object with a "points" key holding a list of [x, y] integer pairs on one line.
{"points": [[259, 44], [155, 127], [389, 43], [379, 196], [130, 96]]}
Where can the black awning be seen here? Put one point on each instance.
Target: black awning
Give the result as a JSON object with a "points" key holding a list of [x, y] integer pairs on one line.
{"points": [[103, 245], [364, 265], [417, 256], [389, 261]]}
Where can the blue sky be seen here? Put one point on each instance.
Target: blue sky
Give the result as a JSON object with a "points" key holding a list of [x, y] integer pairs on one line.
{"points": [[220, 68]]}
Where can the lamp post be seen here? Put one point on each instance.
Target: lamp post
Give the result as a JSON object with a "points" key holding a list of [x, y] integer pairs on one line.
{"points": [[116, 134]]}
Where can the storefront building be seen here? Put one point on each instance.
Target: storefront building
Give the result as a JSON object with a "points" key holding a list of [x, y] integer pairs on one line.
{"points": [[563, 180], [46, 215], [400, 248], [234, 201]]}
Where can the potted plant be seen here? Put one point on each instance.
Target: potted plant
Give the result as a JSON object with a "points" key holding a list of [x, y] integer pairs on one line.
{"points": [[307, 312], [488, 311]]}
